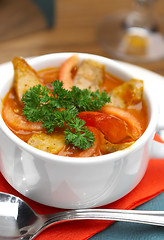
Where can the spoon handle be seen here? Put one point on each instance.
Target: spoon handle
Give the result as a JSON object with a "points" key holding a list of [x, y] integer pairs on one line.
{"points": [[138, 216]]}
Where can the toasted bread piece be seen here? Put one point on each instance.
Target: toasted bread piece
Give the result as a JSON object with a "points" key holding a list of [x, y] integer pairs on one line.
{"points": [[127, 94], [51, 143], [109, 147], [89, 75], [24, 77]]}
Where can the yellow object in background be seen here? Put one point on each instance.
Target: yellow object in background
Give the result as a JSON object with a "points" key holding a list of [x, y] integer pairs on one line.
{"points": [[136, 44]]}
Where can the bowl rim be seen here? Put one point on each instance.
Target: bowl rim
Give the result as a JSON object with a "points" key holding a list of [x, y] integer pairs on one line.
{"points": [[150, 102]]}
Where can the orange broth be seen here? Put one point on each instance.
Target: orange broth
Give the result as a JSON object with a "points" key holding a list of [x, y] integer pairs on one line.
{"points": [[46, 76]]}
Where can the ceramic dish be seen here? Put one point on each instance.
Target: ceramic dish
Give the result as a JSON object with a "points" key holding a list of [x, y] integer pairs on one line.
{"points": [[67, 182]]}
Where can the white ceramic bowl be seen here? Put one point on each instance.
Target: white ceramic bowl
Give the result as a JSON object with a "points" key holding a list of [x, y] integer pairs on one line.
{"points": [[67, 182]]}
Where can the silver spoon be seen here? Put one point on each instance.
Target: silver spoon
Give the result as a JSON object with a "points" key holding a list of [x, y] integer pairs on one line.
{"points": [[19, 221]]}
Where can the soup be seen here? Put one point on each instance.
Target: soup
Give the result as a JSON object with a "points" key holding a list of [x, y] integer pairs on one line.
{"points": [[76, 110]]}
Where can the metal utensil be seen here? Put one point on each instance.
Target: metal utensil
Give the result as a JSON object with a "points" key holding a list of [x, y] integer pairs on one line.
{"points": [[19, 221]]}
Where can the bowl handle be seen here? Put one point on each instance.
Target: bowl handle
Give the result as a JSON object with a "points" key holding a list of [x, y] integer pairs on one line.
{"points": [[157, 148]]}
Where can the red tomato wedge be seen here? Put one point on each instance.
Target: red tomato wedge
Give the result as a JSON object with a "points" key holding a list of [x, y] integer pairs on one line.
{"points": [[18, 122], [65, 71], [114, 129], [134, 125]]}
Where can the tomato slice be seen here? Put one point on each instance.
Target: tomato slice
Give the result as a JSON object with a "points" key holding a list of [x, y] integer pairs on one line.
{"points": [[134, 126], [114, 129], [18, 122], [65, 71]]}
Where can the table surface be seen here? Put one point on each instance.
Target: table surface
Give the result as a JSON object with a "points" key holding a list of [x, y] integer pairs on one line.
{"points": [[74, 30]]}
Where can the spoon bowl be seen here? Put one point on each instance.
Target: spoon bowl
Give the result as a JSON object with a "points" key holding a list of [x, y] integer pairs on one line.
{"points": [[19, 221]]}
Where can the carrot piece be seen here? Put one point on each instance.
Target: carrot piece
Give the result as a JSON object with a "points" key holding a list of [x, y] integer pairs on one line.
{"points": [[65, 71], [134, 125], [113, 128]]}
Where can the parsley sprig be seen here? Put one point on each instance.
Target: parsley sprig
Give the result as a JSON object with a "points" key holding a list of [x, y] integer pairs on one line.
{"points": [[60, 108]]}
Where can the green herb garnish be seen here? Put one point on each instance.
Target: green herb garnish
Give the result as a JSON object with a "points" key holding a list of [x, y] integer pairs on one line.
{"points": [[60, 108]]}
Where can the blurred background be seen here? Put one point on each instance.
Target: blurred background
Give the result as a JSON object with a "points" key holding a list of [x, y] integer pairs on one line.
{"points": [[34, 27]]}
